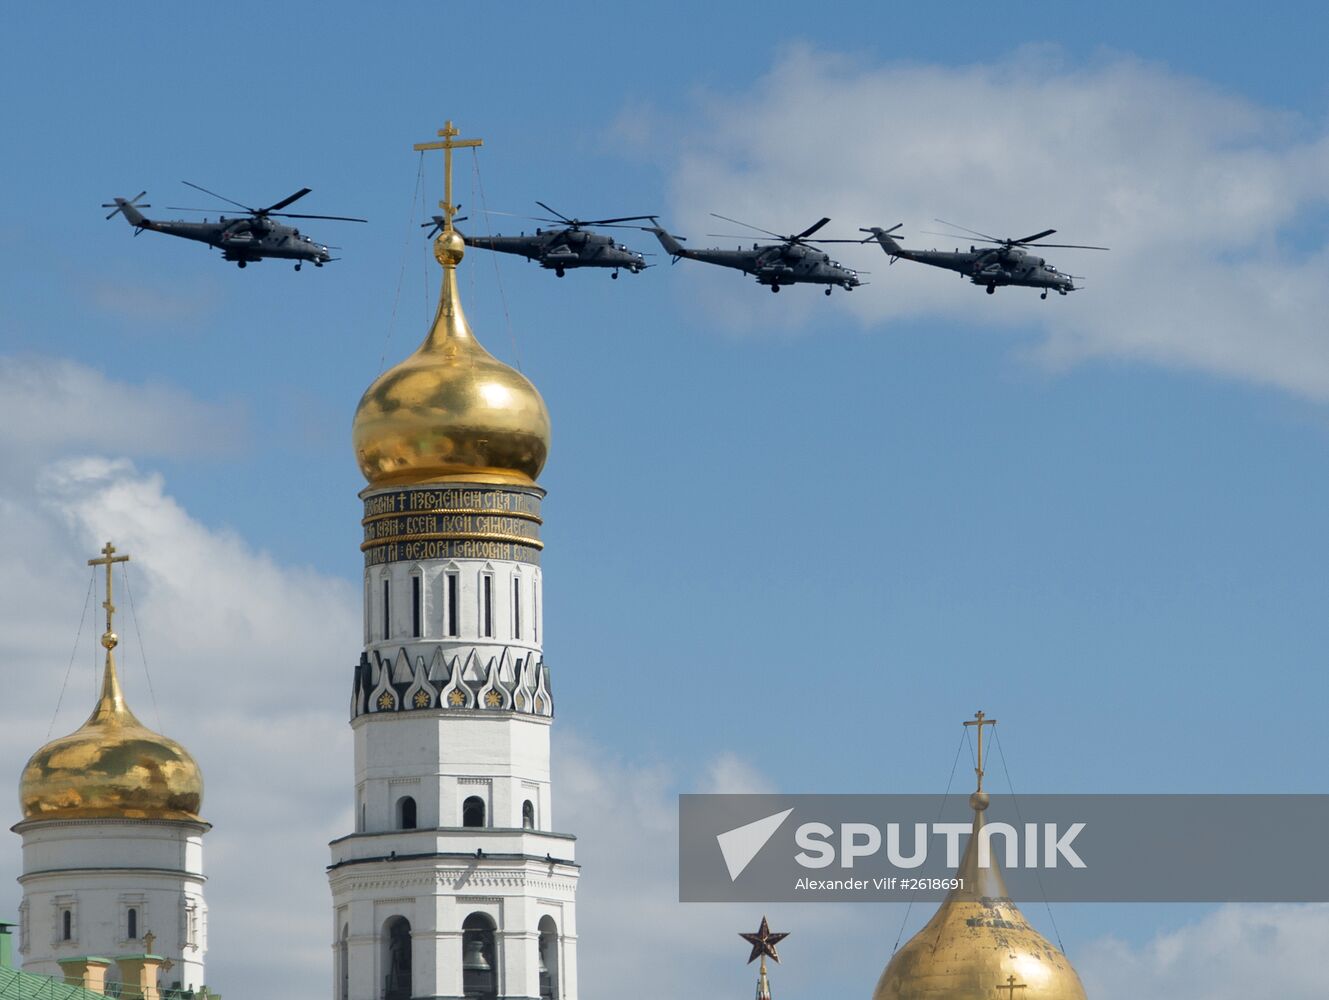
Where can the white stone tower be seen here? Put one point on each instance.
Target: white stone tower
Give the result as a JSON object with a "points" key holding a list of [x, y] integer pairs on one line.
{"points": [[454, 882], [113, 846]]}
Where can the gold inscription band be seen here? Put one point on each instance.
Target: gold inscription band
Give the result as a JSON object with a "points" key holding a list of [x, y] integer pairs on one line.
{"points": [[448, 536], [415, 551], [449, 522], [483, 511]]}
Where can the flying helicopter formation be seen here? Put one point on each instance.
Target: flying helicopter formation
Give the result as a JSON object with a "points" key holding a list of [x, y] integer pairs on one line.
{"points": [[563, 243]]}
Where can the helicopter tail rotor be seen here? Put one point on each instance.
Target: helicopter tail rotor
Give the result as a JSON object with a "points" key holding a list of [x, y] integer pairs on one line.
{"points": [[129, 207]]}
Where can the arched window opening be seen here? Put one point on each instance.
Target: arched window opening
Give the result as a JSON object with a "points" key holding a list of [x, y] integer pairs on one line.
{"points": [[528, 815], [66, 926], [487, 605], [548, 959], [453, 624], [406, 813], [344, 964], [131, 919], [473, 811], [479, 958], [397, 960]]}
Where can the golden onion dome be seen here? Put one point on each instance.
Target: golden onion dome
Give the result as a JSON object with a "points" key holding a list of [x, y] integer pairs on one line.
{"points": [[976, 942], [111, 767], [451, 411]]}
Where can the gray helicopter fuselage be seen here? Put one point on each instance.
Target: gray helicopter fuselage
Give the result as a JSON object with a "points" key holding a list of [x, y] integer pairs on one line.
{"points": [[242, 240], [772, 264], [993, 267], [560, 249]]}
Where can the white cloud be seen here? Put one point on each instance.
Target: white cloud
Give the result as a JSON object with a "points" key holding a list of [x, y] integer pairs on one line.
{"points": [[1197, 191], [51, 407], [1234, 953]]}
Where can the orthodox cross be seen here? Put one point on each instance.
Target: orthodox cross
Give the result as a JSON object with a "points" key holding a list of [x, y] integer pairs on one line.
{"points": [[1011, 985], [108, 559], [149, 939], [448, 144], [980, 720]]}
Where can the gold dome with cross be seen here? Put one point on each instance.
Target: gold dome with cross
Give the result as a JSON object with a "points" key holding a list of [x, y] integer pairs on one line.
{"points": [[113, 766], [978, 945], [451, 411]]}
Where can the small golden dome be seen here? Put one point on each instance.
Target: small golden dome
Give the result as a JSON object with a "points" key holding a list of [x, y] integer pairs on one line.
{"points": [[112, 766], [975, 942], [450, 411]]}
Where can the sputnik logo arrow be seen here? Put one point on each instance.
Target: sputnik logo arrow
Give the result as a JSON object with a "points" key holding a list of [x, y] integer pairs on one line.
{"points": [[741, 844]]}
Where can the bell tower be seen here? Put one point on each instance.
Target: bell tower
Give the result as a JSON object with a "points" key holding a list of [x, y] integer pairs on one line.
{"points": [[454, 882]]}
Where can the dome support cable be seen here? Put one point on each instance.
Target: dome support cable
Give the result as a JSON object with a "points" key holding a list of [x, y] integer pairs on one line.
{"points": [[73, 653], [498, 275], [142, 654], [904, 922], [1020, 819], [401, 273]]}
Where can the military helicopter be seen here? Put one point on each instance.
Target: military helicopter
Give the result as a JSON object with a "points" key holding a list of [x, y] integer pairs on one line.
{"points": [[570, 244], [1006, 263], [242, 240], [794, 260]]}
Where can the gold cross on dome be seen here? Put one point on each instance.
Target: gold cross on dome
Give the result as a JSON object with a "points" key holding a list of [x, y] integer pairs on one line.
{"points": [[449, 143], [1010, 985], [980, 720], [108, 559]]}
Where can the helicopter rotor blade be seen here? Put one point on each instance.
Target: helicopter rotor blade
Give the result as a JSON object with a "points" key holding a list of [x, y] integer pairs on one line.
{"points": [[621, 218], [285, 201], [1068, 246], [1036, 236], [972, 232], [748, 225], [554, 211], [812, 228], [334, 218], [216, 195], [957, 236], [181, 208]]}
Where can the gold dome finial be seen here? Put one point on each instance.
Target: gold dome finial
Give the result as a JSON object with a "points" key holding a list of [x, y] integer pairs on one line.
{"points": [[113, 766], [451, 411], [978, 942]]}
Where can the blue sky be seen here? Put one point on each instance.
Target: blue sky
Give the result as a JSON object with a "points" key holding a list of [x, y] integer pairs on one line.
{"points": [[804, 537]]}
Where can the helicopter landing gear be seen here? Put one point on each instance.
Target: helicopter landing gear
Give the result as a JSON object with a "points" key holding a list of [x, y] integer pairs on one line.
{"points": [[1044, 295], [559, 272], [828, 291], [775, 288], [614, 276], [241, 263], [297, 267], [991, 289]]}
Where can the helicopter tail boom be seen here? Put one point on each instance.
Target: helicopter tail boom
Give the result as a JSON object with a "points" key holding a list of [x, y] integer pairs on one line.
{"points": [[669, 242], [887, 242]]}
